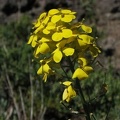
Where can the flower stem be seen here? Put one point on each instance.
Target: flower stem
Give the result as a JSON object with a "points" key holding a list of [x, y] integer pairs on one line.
{"points": [[78, 86], [84, 103]]}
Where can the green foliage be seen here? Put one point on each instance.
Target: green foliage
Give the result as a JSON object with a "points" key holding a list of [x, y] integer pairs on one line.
{"points": [[18, 74], [14, 54], [105, 105], [14, 51]]}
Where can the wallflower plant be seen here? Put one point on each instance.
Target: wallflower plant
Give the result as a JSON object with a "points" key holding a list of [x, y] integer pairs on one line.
{"points": [[57, 40]]}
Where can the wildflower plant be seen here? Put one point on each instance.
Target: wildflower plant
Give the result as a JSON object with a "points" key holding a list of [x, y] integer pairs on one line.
{"points": [[61, 43]]}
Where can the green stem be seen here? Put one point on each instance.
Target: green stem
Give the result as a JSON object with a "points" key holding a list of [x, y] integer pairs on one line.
{"points": [[93, 117], [78, 85], [85, 104], [64, 70]]}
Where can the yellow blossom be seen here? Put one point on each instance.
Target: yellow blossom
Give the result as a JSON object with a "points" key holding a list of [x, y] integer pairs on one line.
{"points": [[33, 40], [87, 29], [42, 48], [69, 92], [55, 36], [45, 69], [63, 15], [58, 54], [67, 83], [84, 64], [80, 74], [53, 12], [65, 33], [86, 39]]}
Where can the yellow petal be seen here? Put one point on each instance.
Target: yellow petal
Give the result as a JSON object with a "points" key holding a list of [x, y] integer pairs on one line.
{"points": [[42, 16], [46, 68], [68, 51], [66, 33], [71, 91], [86, 38], [55, 18], [43, 48], [87, 29], [65, 95], [37, 24], [53, 12], [67, 83], [40, 71], [30, 39], [82, 61], [45, 21], [82, 44], [45, 31], [67, 18], [57, 56], [34, 41], [65, 11], [88, 69], [57, 36], [51, 26], [39, 29], [43, 39], [68, 99], [80, 74]]}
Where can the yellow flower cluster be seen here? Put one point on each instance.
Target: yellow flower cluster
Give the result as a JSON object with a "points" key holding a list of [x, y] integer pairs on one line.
{"points": [[55, 37]]}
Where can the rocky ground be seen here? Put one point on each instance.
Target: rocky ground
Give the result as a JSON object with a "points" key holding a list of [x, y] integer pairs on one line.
{"points": [[106, 14]]}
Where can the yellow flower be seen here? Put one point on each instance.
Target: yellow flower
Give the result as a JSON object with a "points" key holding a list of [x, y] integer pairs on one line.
{"points": [[53, 12], [38, 22], [80, 74], [58, 36], [42, 48], [63, 15], [68, 15], [84, 70], [88, 69], [41, 23], [50, 26], [33, 40], [69, 92], [66, 33], [84, 65], [58, 54], [54, 36], [56, 18], [85, 40], [87, 29], [45, 69]]}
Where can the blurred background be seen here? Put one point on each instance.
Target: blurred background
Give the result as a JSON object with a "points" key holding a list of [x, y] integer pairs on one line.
{"points": [[23, 95]]}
